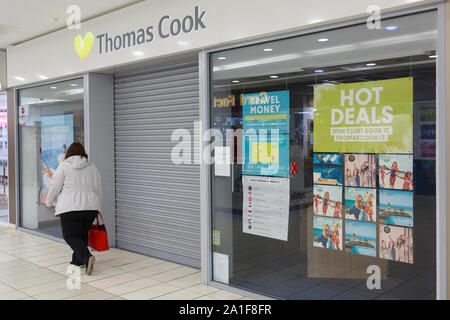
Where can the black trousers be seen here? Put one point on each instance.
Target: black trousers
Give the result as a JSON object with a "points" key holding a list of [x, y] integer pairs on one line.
{"points": [[75, 227]]}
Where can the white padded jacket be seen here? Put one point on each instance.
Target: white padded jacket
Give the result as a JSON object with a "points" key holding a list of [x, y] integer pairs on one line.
{"points": [[76, 186]]}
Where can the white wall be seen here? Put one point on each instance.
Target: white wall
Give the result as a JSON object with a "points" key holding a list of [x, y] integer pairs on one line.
{"points": [[226, 21]]}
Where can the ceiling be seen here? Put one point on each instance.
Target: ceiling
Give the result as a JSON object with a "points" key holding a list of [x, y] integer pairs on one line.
{"points": [[351, 48], [22, 20]]}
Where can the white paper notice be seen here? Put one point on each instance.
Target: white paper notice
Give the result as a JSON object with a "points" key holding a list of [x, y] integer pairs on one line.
{"points": [[220, 268], [266, 206], [222, 161]]}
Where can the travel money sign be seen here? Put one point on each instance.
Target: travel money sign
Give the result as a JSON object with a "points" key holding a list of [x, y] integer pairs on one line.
{"points": [[364, 117]]}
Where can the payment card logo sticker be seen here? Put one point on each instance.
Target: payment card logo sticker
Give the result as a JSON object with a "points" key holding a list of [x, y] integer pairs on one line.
{"points": [[84, 46]]}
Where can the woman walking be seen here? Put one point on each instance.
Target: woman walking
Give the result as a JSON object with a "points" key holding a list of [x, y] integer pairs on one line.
{"points": [[76, 186]]}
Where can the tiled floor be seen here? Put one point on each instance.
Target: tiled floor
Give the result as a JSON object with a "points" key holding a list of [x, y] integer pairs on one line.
{"points": [[32, 267]]}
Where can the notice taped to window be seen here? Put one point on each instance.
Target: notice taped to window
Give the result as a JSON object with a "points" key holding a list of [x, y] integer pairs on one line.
{"points": [[364, 117], [266, 206]]}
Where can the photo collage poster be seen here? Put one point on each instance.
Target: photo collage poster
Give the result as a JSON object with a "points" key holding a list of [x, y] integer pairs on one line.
{"points": [[354, 195], [363, 167]]}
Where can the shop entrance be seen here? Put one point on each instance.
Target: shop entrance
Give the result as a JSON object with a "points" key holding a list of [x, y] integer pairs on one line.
{"points": [[50, 119]]}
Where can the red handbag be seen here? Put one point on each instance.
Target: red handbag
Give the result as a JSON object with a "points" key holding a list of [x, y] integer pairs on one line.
{"points": [[98, 236]]}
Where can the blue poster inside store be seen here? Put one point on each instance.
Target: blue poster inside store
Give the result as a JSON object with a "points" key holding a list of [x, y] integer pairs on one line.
{"points": [[56, 137], [266, 155], [266, 111], [266, 133]]}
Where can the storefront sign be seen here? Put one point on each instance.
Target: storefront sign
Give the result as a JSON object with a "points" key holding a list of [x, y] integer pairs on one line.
{"points": [[266, 110], [266, 207], [365, 117]]}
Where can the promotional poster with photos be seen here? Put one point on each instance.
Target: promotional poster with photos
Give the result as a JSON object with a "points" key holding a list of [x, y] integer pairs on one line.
{"points": [[364, 204]]}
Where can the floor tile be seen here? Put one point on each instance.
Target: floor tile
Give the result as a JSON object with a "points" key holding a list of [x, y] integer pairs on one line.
{"points": [[162, 267], [202, 289], [65, 293], [46, 287], [224, 295], [131, 286], [188, 281], [150, 292], [31, 282], [173, 274], [179, 295], [95, 295], [12, 295], [141, 264], [115, 280]]}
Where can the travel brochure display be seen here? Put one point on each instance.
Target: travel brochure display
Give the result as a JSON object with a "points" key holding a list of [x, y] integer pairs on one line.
{"points": [[266, 206], [365, 117], [363, 168], [266, 167]]}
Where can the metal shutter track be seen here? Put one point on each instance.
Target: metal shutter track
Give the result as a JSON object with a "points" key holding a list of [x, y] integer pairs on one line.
{"points": [[157, 202]]}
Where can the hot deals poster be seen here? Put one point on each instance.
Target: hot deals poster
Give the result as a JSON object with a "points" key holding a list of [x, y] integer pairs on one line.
{"points": [[365, 117]]}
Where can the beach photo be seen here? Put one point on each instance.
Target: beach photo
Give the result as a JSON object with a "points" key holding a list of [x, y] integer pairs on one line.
{"points": [[361, 204], [361, 238], [327, 233], [396, 243], [360, 170], [396, 208], [328, 168], [328, 201], [396, 171]]}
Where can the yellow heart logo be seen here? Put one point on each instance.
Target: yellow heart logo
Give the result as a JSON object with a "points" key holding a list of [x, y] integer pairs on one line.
{"points": [[84, 46]]}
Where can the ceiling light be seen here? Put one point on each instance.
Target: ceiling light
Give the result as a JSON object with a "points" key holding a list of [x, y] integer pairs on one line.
{"points": [[235, 81], [221, 58], [274, 77], [391, 28], [434, 56], [268, 49], [318, 71], [372, 64], [323, 40], [252, 63], [53, 88], [73, 85]]}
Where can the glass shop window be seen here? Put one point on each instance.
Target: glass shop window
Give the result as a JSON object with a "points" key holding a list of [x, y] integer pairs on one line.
{"points": [[324, 185]]}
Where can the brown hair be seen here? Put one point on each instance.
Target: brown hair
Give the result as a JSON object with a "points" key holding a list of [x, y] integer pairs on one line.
{"points": [[76, 149]]}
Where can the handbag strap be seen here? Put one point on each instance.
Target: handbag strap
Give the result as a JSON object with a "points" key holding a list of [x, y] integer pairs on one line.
{"points": [[98, 222]]}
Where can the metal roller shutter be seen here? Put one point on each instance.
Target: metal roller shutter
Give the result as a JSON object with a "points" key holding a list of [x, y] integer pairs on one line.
{"points": [[157, 202]]}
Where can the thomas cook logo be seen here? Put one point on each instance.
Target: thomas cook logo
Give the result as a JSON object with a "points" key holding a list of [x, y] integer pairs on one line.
{"points": [[84, 46]]}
